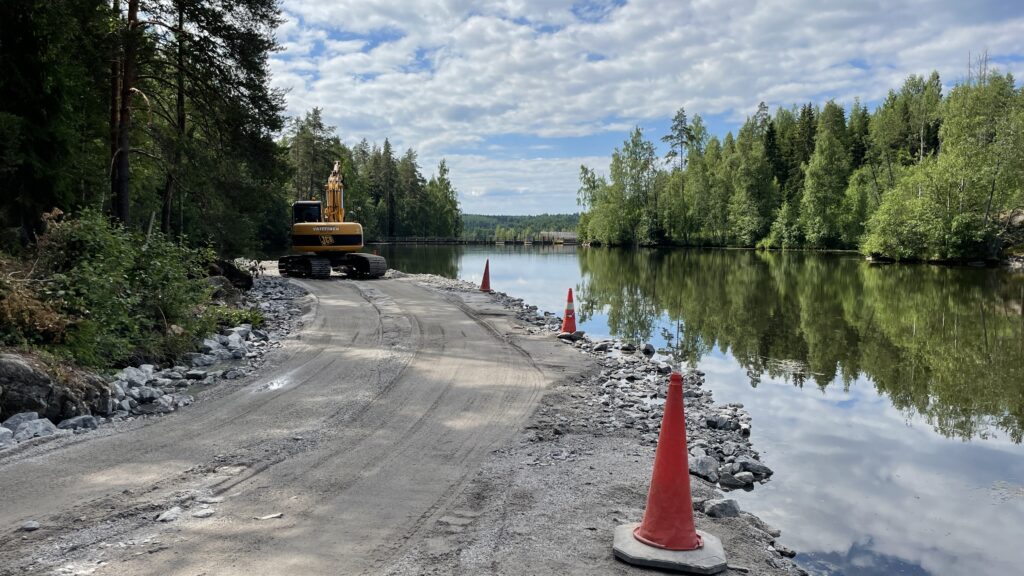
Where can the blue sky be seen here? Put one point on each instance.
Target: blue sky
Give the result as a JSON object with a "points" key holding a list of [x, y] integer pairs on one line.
{"points": [[517, 94]]}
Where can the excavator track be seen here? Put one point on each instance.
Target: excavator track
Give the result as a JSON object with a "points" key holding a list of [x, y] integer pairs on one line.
{"points": [[368, 265], [304, 267], [319, 268]]}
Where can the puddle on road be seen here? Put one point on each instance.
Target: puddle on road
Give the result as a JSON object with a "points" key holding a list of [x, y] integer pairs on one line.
{"points": [[275, 384]]}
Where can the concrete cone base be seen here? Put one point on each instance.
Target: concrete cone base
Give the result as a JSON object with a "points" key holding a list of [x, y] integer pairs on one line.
{"points": [[708, 559]]}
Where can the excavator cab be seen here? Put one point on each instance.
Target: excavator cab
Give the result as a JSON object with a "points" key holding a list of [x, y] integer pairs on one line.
{"points": [[306, 211]]}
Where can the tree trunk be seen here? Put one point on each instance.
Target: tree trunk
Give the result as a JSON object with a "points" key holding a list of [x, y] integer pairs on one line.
{"points": [[179, 141], [122, 200], [115, 89]]}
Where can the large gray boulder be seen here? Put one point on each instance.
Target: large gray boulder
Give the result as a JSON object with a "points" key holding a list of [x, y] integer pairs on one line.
{"points": [[748, 464], [27, 385], [6, 438], [727, 508], [147, 394], [134, 376], [705, 467], [35, 428], [243, 331], [235, 341], [13, 422], [223, 290], [84, 422], [727, 480], [163, 405], [210, 346]]}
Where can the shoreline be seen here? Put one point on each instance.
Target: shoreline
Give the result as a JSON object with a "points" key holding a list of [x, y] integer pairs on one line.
{"points": [[598, 427]]}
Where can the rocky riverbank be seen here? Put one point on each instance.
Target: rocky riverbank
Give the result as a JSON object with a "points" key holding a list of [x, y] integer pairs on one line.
{"points": [[583, 462], [46, 402]]}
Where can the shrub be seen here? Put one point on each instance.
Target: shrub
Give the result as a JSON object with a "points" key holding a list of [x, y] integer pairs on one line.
{"points": [[127, 297], [228, 316], [24, 318]]}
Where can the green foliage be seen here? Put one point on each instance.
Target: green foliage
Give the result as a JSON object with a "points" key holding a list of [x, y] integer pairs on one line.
{"points": [[482, 227], [958, 204], [229, 316], [204, 164], [898, 229], [825, 184], [785, 231], [53, 66], [625, 207], [127, 297], [923, 177]]}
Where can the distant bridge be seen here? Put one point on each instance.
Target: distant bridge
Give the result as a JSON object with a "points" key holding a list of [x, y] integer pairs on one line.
{"points": [[539, 238]]}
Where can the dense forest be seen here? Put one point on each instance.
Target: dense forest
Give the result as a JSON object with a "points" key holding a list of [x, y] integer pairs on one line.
{"points": [[160, 114], [483, 227], [386, 194], [139, 141], [925, 176]]}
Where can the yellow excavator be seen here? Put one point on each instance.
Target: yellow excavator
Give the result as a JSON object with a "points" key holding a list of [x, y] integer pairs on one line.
{"points": [[322, 241]]}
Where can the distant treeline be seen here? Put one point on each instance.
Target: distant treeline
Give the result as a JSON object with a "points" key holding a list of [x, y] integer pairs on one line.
{"points": [[507, 228], [926, 176]]}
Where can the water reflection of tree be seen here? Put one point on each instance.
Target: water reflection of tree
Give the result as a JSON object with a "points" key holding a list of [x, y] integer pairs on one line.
{"points": [[943, 342]]}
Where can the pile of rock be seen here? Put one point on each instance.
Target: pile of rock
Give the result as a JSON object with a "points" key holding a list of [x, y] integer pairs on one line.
{"points": [[277, 299], [146, 389], [28, 425]]}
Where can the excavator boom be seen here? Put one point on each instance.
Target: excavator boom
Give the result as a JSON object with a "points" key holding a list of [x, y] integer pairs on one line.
{"points": [[335, 209]]}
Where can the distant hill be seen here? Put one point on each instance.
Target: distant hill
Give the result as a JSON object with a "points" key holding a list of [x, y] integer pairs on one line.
{"points": [[481, 226]]}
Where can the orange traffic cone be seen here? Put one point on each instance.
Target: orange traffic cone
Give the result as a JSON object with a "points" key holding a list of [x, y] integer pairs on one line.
{"points": [[569, 319], [667, 537], [668, 519], [485, 286]]}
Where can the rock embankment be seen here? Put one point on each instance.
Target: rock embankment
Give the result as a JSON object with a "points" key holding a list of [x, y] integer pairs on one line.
{"points": [[39, 401], [628, 394]]}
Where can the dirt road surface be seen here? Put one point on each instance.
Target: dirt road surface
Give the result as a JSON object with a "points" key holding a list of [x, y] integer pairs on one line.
{"points": [[360, 433]]}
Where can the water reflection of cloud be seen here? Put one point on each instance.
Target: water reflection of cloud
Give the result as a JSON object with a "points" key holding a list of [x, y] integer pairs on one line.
{"points": [[873, 482], [861, 485]]}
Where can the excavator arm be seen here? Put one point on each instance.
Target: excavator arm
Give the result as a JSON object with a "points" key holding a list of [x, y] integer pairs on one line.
{"points": [[335, 209]]}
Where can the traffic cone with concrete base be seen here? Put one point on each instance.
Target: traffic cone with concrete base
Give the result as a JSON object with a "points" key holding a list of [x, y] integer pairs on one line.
{"points": [[569, 319], [667, 537], [485, 286]]}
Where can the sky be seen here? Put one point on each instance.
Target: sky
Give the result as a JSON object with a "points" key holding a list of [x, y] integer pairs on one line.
{"points": [[517, 94]]}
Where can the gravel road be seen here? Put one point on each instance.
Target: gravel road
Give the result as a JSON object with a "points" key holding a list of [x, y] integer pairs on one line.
{"points": [[413, 426], [360, 433]]}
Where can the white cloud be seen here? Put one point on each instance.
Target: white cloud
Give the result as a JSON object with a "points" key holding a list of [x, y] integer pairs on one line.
{"points": [[873, 481], [517, 186], [446, 74]]}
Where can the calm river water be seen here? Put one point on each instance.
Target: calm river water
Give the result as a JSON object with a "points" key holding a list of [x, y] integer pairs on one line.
{"points": [[889, 400]]}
